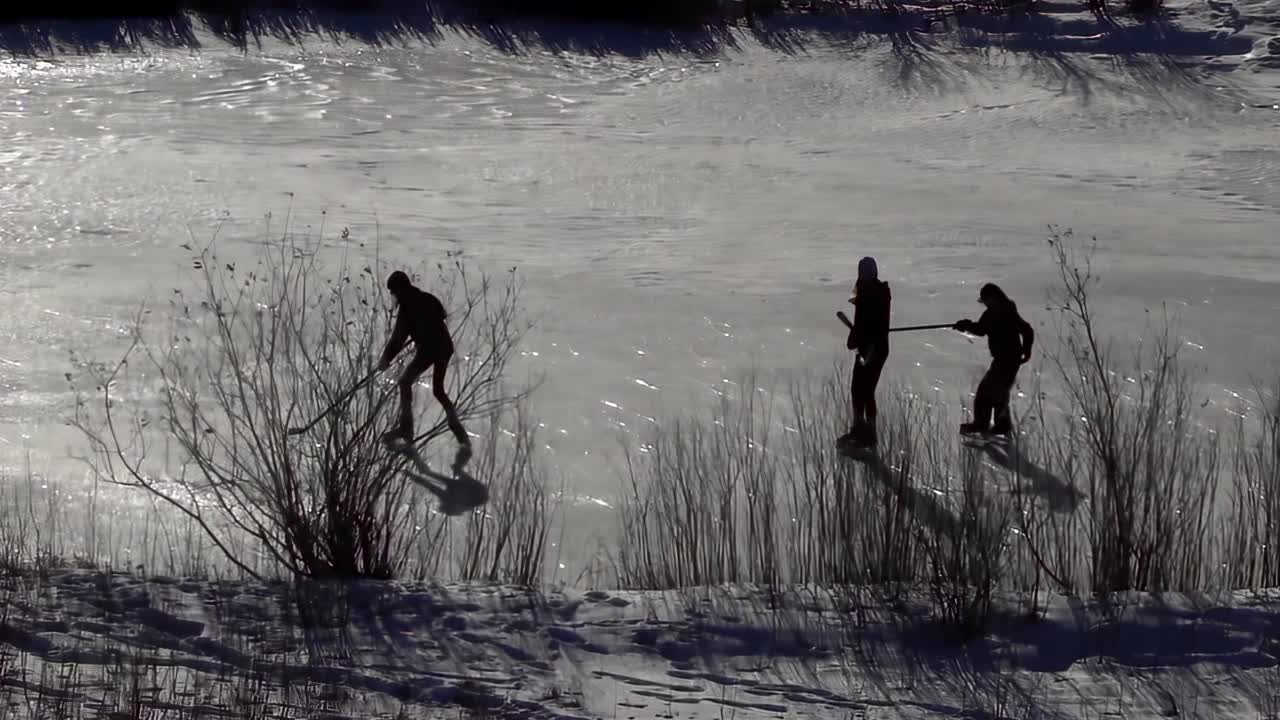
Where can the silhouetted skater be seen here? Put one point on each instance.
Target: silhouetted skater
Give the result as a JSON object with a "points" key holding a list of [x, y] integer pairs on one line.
{"points": [[869, 337], [1009, 338], [420, 317]]}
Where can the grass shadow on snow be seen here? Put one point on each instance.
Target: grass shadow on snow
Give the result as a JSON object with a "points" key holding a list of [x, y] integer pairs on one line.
{"points": [[1151, 633], [403, 647], [1053, 35]]}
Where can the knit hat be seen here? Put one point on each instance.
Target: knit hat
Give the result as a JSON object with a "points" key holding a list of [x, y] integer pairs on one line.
{"points": [[990, 292], [398, 280], [867, 269]]}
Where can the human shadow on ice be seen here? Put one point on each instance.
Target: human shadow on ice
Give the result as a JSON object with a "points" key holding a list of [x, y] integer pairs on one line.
{"points": [[458, 493], [1062, 498]]}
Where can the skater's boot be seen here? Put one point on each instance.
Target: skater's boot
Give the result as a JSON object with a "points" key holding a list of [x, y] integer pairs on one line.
{"points": [[1001, 427], [851, 437], [866, 436]]}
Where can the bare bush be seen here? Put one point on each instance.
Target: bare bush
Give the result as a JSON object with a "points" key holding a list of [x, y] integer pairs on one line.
{"points": [[699, 508], [263, 346], [967, 557], [508, 541], [1044, 476], [1151, 473], [855, 522], [1252, 527]]}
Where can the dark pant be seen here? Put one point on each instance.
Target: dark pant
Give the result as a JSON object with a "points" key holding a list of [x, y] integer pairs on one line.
{"points": [[866, 375], [992, 396], [439, 363]]}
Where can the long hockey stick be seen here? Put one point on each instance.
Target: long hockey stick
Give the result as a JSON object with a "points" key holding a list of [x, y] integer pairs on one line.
{"points": [[333, 406], [845, 319], [907, 328]]}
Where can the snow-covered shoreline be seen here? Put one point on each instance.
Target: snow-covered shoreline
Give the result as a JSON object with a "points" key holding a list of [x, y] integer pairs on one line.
{"points": [[110, 643]]}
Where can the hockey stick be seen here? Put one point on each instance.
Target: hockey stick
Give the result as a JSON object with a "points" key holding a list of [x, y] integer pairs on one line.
{"points": [[938, 326], [845, 319], [333, 406]]}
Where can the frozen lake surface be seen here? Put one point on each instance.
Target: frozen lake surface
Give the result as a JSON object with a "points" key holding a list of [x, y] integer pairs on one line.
{"points": [[676, 218]]}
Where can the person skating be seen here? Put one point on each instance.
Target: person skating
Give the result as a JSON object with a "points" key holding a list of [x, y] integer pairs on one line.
{"points": [[1009, 338], [420, 317], [869, 338]]}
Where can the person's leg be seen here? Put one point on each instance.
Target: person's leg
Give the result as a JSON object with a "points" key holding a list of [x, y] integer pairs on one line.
{"points": [[1007, 375], [983, 403], [874, 368], [439, 373], [859, 392], [404, 426]]}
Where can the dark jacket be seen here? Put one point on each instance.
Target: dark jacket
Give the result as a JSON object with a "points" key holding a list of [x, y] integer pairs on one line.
{"points": [[1009, 337], [870, 333], [421, 317]]}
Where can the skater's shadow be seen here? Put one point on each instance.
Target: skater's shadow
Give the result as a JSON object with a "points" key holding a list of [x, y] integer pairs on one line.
{"points": [[457, 494], [922, 506], [1062, 498]]}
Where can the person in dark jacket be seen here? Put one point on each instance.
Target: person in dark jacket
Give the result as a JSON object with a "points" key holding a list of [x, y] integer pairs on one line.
{"points": [[421, 318], [869, 337], [1009, 338]]}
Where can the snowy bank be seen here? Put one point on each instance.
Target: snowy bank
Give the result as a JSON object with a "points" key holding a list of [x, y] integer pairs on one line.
{"points": [[119, 646]]}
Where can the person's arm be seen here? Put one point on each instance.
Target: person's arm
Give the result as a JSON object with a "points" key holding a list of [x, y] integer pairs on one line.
{"points": [[979, 328], [858, 329], [399, 335]]}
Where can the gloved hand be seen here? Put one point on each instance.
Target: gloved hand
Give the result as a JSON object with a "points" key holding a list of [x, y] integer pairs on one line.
{"points": [[963, 325]]}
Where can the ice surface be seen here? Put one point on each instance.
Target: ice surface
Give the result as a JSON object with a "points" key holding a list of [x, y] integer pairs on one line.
{"points": [[677, 217]]}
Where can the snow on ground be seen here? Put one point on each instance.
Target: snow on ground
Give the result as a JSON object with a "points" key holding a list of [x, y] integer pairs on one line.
{"points": [[102, 642]]}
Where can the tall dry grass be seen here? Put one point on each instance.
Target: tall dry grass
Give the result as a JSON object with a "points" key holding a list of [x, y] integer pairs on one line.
{"points": [[1151, 472], [1251, 531], [1115, 484]]}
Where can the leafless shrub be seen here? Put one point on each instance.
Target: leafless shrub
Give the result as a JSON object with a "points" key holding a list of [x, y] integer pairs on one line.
{"points": [[699, 507], [1252, 527], [507, 541], [856, 521], [265, 346], [1151, 473]]}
